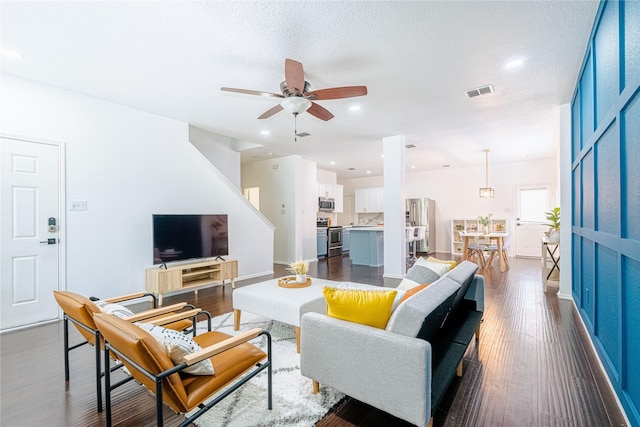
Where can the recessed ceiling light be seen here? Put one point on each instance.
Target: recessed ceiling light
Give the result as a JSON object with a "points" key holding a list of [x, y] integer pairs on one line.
{"points": [[382, 156], [8, 53], [269, 154], [355, 108], [265, 132], [413, 166], [514, 63], [332, 163], [368, 171]]}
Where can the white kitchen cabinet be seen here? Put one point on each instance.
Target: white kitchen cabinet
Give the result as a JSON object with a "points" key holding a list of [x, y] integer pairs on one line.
{"points": [[333, 191], [338, 196], [325, 190], [370, 200]]}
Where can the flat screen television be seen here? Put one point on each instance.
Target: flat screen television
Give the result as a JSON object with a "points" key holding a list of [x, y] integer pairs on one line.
{"points": [[181, 237]]}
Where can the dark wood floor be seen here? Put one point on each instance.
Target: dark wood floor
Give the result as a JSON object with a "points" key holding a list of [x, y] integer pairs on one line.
{"points": [[531, 367]]}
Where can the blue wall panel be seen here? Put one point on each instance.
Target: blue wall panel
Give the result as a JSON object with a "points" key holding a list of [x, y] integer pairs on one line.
{"points": [[576, 140], [607, 306], [587, 282], [586, 102], [606, 196], [608, 181], [587, 191], [631, 169], [606, 61], [576, 285], [631, 298], [631, 41], [576, 177]]}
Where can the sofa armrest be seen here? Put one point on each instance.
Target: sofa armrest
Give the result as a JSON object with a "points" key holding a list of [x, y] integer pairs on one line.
{"points": [[476, 292], [389, 371]]}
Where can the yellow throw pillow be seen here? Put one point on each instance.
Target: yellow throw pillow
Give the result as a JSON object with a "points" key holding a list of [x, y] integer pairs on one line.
{"points": [[368, 307], [441, 261]]}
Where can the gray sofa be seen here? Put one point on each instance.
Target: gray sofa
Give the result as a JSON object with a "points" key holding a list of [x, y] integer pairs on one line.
{"points": [[406, 368]]}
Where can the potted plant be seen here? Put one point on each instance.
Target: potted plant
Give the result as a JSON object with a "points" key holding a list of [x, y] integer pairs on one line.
{"points": [[484, 220], [554, 225], [300, 269]]}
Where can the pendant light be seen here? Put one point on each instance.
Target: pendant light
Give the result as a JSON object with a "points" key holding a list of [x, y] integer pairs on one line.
{"points": [[487, 192]]}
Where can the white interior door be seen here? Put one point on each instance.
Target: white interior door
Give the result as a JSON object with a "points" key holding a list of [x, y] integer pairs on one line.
{"points": [[532, 201], [29, 249]]}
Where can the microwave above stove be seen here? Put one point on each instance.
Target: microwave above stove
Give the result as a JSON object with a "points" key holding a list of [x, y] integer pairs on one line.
{"points": [[326, 204]]}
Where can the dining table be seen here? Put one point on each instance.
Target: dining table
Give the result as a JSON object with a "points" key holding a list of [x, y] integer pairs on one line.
{"points": [[497, 236]]}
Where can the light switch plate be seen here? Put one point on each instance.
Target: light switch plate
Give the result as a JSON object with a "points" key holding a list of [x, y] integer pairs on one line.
{"points": [[78, 205]]}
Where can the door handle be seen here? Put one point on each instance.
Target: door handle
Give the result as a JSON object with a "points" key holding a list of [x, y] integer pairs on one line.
{"points": [[50, 241]]}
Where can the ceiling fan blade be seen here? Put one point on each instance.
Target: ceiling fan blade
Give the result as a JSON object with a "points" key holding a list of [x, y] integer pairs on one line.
{"points": [[337, 92], [271, 112], [251, 92], [294, 75], [320, 112]]}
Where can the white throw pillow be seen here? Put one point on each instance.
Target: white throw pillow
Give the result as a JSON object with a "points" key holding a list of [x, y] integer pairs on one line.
{"points": [[114, 309], [177, 345], [438, 268], [407, 284]]}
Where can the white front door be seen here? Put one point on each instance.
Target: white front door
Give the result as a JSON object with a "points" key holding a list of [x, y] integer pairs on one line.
{"points": [[532, 201], [29, 235]]}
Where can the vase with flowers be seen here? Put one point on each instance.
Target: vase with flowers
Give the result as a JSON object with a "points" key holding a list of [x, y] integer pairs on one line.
{"points": [[300, 269], [485, 220]]}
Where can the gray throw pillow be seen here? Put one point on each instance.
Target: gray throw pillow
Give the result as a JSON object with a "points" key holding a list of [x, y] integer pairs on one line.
{"points": [[422, 275]]}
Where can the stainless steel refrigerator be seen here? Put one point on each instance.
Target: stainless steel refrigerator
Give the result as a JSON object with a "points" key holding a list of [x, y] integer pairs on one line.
{"points": [[422, 212]]}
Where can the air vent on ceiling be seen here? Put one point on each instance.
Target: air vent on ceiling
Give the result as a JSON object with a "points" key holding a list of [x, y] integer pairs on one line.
{"points": [[302, 134], [351, 169], [483, 90], [410, 146]]}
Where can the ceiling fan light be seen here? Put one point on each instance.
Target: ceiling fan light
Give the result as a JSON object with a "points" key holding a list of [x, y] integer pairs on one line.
{"points": [[295, 104]]}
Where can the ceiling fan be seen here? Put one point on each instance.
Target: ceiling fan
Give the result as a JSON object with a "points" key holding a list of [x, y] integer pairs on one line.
{"points": [[297, 96]]}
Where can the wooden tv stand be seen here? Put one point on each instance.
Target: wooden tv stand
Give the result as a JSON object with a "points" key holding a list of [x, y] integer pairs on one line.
{"points": [[189, 276]]}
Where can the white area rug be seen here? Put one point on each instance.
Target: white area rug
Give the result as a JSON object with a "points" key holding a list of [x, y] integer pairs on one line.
{"points": [[293, 402]]}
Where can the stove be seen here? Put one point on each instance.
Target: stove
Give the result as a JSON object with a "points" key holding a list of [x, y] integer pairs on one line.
{"points": [[334, 241], [334, 237]]}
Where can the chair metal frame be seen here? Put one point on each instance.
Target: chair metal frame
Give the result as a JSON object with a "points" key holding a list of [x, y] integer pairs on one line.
{"points": [[157, 318], [159, 379]]}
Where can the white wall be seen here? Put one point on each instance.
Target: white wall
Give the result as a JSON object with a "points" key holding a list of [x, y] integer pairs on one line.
{"points": [[127, 165], [455, 191], [217, 149], [288, 198]]}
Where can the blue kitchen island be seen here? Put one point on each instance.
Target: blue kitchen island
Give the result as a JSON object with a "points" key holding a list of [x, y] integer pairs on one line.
{"points": [[367, 246]]}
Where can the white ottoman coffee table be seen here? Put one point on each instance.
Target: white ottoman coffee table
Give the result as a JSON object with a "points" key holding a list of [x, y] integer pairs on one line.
{"points": [[286, 305]]}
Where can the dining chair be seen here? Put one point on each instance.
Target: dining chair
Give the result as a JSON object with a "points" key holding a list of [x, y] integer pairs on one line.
{"points": [[410, 239], [475, 251], [493, 252], [420, 235], [234, 359], [80, 311]]}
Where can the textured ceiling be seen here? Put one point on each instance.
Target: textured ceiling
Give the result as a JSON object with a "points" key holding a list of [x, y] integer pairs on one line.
{"points": [[416, 58]]}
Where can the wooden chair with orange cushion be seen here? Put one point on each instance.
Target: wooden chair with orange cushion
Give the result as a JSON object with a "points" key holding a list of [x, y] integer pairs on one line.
{"points": [[234, 360], [80, 311]]}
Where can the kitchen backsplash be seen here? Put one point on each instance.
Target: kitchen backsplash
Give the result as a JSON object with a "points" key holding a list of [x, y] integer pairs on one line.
{"points": [[360, 219], [370, 219]]}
